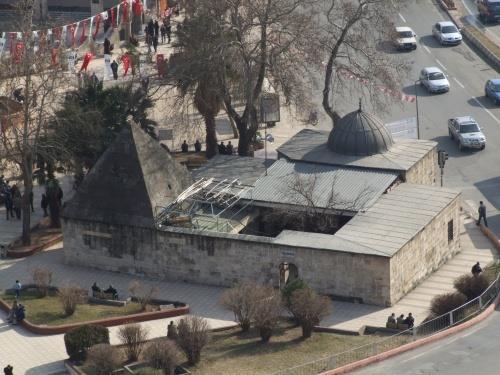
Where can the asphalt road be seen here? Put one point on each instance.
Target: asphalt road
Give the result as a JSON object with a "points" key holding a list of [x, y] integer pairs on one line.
{"points": [[492, 28], [475, 173], [472, 351]]}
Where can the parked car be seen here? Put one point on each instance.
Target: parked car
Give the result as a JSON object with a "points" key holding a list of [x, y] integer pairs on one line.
{"points": [[404, 38], [434, 80], [492, 90], [466, 131], [446, 33], [489, 10]]}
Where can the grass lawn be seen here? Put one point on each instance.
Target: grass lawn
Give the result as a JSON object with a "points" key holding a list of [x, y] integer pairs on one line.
{"points": [[230, 352], [48, 310]]}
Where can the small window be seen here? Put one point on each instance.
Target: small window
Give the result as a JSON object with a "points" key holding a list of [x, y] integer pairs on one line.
{"points": [[450, 231]]}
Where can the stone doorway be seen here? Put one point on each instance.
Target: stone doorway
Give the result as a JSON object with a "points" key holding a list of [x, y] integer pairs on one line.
{"points": [[288, 273]]}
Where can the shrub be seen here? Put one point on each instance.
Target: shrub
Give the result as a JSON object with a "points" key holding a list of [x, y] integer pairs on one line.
{"points": [[267, 311], [42, 277], [444, 303], [471, 286], [192, 337], [133, 336], [70, 295], [143, 294], [163, 355], [102, 359], [79, 340], [291, 287], [308, 308], [240, 299]]}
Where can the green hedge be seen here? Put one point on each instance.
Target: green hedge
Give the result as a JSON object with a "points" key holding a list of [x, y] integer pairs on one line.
{"points": [[79, 340]]}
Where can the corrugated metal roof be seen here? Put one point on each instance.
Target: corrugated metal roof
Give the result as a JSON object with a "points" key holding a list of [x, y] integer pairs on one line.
{"points": [[324, 186], [311, 146], [397, 217]]}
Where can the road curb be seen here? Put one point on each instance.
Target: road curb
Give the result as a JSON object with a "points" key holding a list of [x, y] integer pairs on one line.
{"points": [[415, 344]]}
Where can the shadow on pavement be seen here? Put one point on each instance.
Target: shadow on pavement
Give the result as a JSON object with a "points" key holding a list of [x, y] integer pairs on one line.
{"points": [[490, 188], [450, 146], [485, 102], [53, 368]]}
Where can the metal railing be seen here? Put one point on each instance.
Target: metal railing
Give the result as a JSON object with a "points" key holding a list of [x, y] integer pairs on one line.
{"points": [[425, 329]]}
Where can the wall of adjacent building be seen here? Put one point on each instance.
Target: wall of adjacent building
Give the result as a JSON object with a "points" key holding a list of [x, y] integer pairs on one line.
{"points": [[222, 259], [425, 171], [426, 252]]}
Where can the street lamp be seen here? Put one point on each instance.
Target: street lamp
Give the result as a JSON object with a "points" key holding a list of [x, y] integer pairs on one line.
{"points": [[416, 107], [269, 113]]}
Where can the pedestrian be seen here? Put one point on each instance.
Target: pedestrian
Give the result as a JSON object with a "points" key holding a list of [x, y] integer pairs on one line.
{"points": [[9, 203], [31, 202], [44, 204], [476, 269], [409, 321], [107, 46], [229, 148], [9, 370], [172, 330], [12, 318], [222, 149], [157, 29], [163, 32], [147, 38], [392, 318], [400, 319], [197, 146], [16, 201], [482, 214], [114, 68], [155, 43], [20, 313], [185, 147], [17, 288], [168, 31], [151, 31], [94, 79]]}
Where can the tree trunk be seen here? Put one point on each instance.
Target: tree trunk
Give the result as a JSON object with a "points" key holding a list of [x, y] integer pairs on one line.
{"points": [[245, 325], [211, 135], [307, 329], [27, 169], [265, 334]]}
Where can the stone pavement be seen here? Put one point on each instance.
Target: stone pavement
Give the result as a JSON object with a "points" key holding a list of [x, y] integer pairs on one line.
{"points": [[32, 354]]}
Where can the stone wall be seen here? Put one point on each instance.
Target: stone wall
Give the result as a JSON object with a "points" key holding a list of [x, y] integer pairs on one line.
{"points": [[428, 250], [425, 171], [222, 259]]}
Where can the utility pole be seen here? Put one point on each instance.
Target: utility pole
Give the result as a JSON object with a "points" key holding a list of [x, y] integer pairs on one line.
{"points": [[416, 107]]}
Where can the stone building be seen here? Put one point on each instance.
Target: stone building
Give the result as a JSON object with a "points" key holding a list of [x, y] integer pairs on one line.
{"points": [[354, 213]]}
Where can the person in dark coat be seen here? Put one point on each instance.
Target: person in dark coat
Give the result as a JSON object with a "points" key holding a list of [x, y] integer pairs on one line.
{"points": [[229, 149], [482, 214], [197, 146], [476, 269], [44, 204], [9, 370], [9, 204], [168, 31], [155, 43], [20, 313], [31, 202], [107, 46], [16, 201], [185, 146], [222, 149], [157, 29], [114, 68], [163, 32], [409, 321]]}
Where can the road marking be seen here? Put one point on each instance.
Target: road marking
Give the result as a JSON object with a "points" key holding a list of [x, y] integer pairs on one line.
{"points": [[459, 83], [427, 49], [487, 110], [401, 16], [416, 356], [441, 64]]}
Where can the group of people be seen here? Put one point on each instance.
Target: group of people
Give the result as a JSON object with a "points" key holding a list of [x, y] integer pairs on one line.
{"points": [[153, 31], [17, 312], [409, 320], [13, 199], [96, 291], [223, 149], [185, 146]]}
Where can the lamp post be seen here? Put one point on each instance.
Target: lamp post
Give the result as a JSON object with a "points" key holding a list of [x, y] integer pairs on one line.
{"points": [[416, 107], [269, 113]]}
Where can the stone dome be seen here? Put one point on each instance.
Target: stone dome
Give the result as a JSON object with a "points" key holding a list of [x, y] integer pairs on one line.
{"points": [[361, 134]]}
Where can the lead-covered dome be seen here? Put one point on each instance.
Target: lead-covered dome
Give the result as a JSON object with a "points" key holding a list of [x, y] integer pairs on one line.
{"points": [[361, 134]]}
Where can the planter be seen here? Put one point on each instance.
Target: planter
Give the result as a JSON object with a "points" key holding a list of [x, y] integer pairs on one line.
{"points": [[135, 367]]}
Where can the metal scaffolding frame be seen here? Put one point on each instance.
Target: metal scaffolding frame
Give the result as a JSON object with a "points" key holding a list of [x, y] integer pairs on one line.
{"points": [[203, 204]]}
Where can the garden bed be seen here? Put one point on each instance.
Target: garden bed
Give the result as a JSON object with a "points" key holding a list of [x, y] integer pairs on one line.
{"points": [[42, 236]]}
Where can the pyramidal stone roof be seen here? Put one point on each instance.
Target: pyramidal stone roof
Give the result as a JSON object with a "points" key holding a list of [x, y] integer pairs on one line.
{"points": [[133, 176]]}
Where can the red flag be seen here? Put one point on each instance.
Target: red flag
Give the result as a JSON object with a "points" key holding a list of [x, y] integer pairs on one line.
{"points": [[86, 61], [113, 17], [57, 32], [18, 52], [84, 28], [72, 31], [97, 24], [137, 7], [126, 63], [125, 11], [55, 56]]}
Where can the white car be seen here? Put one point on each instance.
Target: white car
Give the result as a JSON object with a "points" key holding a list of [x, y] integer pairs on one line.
{"points": [[446, 33], [434, 80], [404, 38]]}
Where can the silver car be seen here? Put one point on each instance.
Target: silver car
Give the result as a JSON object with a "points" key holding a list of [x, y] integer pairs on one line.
{"points": [[434, 80], [446, 33], [466, 131]]}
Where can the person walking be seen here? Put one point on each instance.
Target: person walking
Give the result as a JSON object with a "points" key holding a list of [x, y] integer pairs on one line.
{"points": [[482, 214], [9, 203], [107, 46], [16, 201], [114, 69], [155, 43], [157, 29], [163, 32], [168, 31], [44, 204], [17, 288]]}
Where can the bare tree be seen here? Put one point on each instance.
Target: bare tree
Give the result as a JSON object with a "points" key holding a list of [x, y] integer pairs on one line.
{"points": [[143, 293], [192, 337], [30, 75], [163, 355], [267, 311], [133, 337], [42, 277], [71, 295], [308, 308], [241, 300], [352, 35], [103, 359]]}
